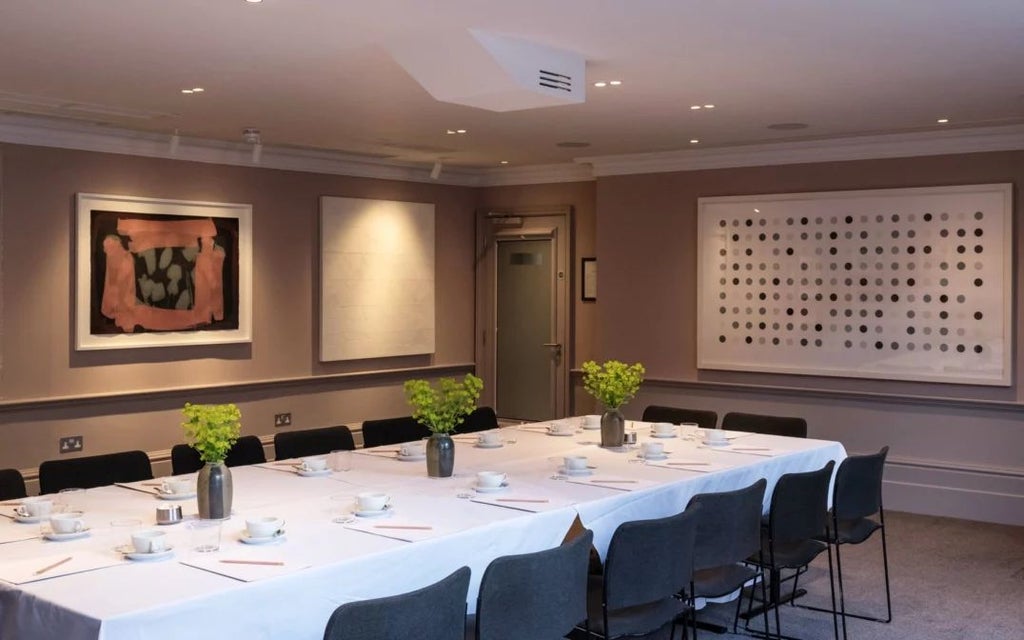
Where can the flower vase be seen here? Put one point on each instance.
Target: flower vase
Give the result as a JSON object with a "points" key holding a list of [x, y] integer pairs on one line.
{"points": [[440, 455], [213, 491], [613, 428]]}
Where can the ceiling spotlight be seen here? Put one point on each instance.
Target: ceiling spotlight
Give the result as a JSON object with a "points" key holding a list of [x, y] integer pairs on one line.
{"points": [[709, 106], [450, 132], [615, 83], [198, 89], [694, 107], [188, 90], [942, 120], [460, 131], [252, 136], [600, 84], [174, 143], [254, 1], [694, 141], [435, 171], [504, 162]]}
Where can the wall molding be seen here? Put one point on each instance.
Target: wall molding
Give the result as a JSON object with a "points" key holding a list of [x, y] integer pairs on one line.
{"points": [[72, 134], [272, 384]]}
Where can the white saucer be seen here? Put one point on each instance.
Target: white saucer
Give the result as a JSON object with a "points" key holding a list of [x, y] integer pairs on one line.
{"points": [[416, 458], [497, 445], [575, 472], [247, 539], [497, 489], [27, 519], [586, 428], [564, 435], [150, 557], [305, 473], [656, 456], [176, 496], [708, 443], [386, 511], [668, 435], [61, 537]]}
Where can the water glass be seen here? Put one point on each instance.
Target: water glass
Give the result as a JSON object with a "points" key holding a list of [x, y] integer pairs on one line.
{"points": [[71, 499], [205, 535], [340, 460]]}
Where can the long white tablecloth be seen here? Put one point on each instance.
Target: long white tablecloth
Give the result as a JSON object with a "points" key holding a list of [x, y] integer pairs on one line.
{"points": [[327, 563]]}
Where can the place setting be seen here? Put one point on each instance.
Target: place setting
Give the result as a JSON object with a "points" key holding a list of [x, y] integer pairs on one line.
{"points": [[149, 545], [718, 440], [176, 489], [373, 513], [493, 488], [263, 530], [483, 440], [62, 527], [32, 510]]}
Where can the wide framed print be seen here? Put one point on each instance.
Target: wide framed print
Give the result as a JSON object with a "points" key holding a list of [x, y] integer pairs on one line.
{"points": [[895, 284], [161, 273]]}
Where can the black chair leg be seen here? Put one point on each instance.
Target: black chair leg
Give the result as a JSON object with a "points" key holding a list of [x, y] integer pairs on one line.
{"points": [[885, 568], [832, 592]]}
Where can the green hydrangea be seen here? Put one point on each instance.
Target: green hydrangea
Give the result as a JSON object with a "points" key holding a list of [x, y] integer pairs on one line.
{"points": [[613, 383], [212, 429], [443, 408]]}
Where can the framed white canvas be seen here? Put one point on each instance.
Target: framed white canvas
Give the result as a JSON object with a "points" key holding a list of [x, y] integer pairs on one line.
{"points": [[900, 284], [376, 278]]}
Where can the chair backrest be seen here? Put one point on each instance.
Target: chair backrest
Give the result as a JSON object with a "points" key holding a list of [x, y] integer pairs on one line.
{"points": [[650, 560], [481, 419], [771, 425], [535, 596], [435, 612], [12, 484], [729, 527], [377, 433], [799, 507], [246, 450], [312, 442], [858, 488], [94, 471], [675, 415]]}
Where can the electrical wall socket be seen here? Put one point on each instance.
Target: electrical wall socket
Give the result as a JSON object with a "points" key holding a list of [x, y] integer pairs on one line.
{"points": [[282, 419], [71, 444]]}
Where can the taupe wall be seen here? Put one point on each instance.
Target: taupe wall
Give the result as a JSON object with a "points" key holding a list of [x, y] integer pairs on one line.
{"points": [[37, 191], [955, 449]]}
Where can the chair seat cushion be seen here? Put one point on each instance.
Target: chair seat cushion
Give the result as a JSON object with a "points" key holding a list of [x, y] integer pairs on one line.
{"points": [[791, 555], [856, 530], [635, 620], [719, 581]]}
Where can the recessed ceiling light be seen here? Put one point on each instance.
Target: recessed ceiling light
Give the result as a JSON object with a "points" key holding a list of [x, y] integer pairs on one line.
{"points": [[460, 131], [694, 141], [694, 106], [756, 210], [188, 91], [254, 1], [504, 162], [600, 84], [450, 132], [198, 89], [942, 120], [615, 83], [709, 106]]}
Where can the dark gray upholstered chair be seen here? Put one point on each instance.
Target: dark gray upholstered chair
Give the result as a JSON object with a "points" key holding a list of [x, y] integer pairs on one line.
{"points": [[791, 538], [12, 484], [377, 433], [534, 596], [649, 563], [482, 419], [728, 532], [435, 612], [312, 442], [771, 425], [856, 501], [94, 471], [675, 415], [246, 450]]}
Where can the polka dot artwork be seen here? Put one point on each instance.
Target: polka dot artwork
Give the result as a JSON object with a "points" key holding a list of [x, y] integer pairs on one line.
{"points": [[901, 284]]}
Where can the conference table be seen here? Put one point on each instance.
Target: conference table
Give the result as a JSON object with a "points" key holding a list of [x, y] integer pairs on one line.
{"points": [[327, 556]]}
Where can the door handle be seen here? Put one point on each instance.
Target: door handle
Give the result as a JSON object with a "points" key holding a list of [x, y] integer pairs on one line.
{"points": [[557, 346]]}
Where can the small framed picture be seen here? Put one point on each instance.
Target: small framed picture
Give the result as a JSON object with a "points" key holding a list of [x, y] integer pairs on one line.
{"points": [[588, 291]]}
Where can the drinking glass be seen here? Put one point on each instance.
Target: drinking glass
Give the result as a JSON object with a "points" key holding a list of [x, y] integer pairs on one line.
{"points": [[204, 535], [340, 460], [72, 499]]}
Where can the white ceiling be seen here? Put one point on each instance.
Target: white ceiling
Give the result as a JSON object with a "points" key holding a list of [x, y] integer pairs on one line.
{"points": [[316, 73]]}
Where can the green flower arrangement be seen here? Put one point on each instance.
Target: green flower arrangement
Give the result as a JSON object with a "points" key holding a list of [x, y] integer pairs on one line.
{"points": [[212, 429], [613, 383], [443, 408]]}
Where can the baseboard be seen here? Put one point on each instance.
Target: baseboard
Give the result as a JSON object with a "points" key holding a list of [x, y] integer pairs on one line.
{"points": [[969, 494]]}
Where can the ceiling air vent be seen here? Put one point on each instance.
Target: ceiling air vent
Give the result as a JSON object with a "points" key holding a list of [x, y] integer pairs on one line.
{"points": [[553, 80]]}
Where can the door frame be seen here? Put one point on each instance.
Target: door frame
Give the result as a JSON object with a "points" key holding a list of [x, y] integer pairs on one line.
{"points": [[555, 222]]}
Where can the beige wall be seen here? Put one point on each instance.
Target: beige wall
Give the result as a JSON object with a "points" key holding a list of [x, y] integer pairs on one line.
{"points": [[955, 449], [37, 191]]}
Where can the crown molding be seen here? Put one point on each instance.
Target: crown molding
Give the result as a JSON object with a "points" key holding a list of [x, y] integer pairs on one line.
{"points": [[898, 145], [67, 134], [535, 174]]}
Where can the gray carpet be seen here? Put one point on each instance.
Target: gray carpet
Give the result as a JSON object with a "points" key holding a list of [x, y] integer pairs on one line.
{"points": [[951, 580]]}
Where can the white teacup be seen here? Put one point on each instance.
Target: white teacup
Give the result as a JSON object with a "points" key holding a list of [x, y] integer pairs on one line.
{"points": [[489, 438], [35, 508], [560, 428], [653, 449], [70, 522], [372, 501], [149, 541], [412, 449], [490, 479], [314, 463], [575, 463], [663, 429], [591, 422], [263, 527], [715, 436], [178, 486]]}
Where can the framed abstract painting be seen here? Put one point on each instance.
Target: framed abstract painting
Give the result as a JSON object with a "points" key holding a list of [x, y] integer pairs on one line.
{"points": [[159, 273]]}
